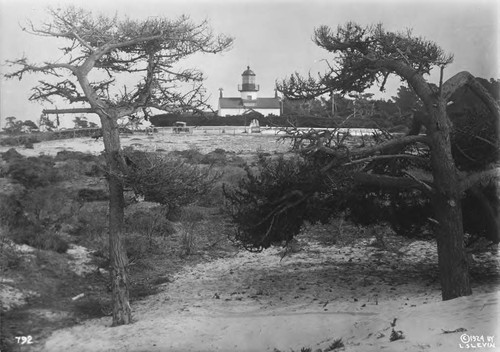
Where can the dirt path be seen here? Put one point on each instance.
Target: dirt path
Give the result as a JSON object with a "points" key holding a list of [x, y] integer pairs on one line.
{"points": [[258, 302]]}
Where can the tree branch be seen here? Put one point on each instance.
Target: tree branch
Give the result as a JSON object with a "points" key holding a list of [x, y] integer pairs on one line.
{"points": [[48, 68], [391, 182], [378, 148], [465, 78], [470, 180], [69, 111], [379, 157]]}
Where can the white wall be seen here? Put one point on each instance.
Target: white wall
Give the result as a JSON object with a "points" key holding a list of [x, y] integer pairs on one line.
{"points": [[265, 112], [244, 95]]}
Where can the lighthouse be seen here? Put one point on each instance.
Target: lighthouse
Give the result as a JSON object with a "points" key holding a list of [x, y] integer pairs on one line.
{"points": [[248, 88], [248, 102]]}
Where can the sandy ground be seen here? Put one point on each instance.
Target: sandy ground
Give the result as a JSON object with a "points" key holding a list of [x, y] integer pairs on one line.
{"points": [[163, 141], [79, 261], [259, 302]]}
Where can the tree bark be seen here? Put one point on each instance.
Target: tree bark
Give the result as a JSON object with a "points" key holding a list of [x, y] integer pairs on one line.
{"points": [[389, 182], [446, 201], [489, 213], [69, 111], [118, 257], [116, 165]]}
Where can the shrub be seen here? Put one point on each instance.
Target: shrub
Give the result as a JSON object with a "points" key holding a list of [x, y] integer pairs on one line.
{"points": [[91, 223], [151, 222], [230, 176], [34, 172], [271, 203], [21, 140], [188, 241], [11, 210], [9, 258], [137, 246], [11, 154], [96, 169], [35, 236], [74, 164], [192, 214], [49, 206], [214, 158], [64, 155], [405, 211], [167, 181], [92, 194], [192, 156]]}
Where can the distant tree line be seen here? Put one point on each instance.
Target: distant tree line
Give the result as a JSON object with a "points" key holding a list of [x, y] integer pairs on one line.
{"points": [[347, 111], [295, 120]]}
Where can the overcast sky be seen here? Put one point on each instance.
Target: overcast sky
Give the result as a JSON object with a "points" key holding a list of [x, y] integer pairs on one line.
{"points": [[272, 37]]}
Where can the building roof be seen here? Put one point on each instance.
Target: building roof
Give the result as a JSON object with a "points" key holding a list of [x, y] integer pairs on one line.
{"points": [[248, 72], [259, 103]]}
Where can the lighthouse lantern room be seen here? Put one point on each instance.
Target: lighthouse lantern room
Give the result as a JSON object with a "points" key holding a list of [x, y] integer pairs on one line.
{"points": [[248, 88]]}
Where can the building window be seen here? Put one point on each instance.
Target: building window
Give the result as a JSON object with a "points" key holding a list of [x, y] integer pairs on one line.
{"points": [[249, 97]]}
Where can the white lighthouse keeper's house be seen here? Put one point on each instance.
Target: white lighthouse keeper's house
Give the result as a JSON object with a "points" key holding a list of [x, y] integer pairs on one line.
{"points": [[249, 101]]}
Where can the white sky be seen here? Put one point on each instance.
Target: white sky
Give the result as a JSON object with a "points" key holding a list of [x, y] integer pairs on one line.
{"points": [[272, 37]]}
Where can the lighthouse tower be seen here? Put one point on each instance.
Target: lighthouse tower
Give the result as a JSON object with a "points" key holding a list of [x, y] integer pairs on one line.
{"points": [[248, 102], [248, 88]]}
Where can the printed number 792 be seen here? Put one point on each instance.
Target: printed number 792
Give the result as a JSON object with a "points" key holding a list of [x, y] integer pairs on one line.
{"points": [[24, 340]]}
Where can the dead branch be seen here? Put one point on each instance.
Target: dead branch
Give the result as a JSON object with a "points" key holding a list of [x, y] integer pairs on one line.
{"points": [[69, 111]]}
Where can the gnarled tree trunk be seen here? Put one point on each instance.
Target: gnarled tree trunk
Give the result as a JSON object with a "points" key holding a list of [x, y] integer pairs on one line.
{"points": [[118, 257], [446, 201]]}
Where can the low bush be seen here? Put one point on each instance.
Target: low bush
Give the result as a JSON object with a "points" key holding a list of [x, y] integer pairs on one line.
{"points": [[274, 199], [92, 194], [214, 158], [75, 164], [22, 139], [192, 156], [36, 217], [137, 246], [188, 240], [49, 207], [11, 210], [230, 176], [35, 236], [167, 181], [34, 172], [405, 211], [11, 154], [9, 258], [192, 214], [151, 223], [72, 155], [91, 223]]}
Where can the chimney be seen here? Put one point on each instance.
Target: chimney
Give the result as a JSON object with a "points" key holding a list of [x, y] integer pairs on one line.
{"points": [[220, 95]]}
